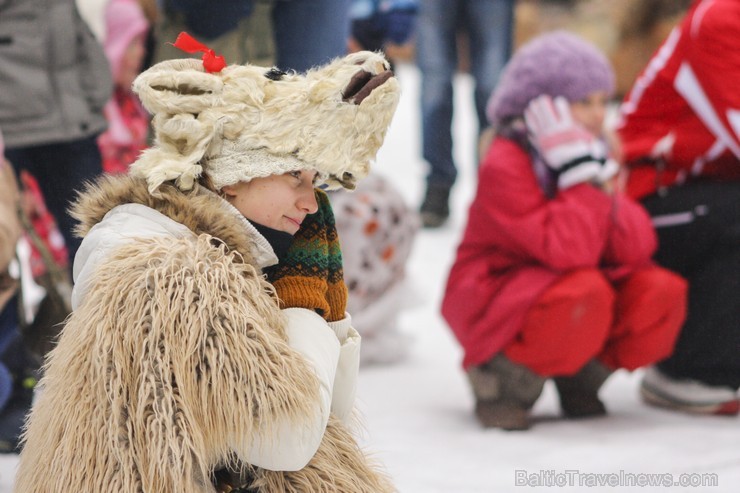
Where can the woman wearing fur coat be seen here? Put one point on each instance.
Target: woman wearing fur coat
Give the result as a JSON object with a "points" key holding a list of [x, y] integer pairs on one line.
{"points": [[209, 349]]}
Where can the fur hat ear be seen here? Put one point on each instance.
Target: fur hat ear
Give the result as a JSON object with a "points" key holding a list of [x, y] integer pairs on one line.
{"points": [[181, 95], [182, 140], [178, 86]]}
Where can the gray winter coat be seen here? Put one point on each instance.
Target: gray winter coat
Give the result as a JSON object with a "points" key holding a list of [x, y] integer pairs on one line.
{"points": [[54, 77]]}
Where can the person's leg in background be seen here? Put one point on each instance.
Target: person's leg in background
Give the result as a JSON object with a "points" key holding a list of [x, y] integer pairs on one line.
{"points": [[698, 228], [436, 57], [8, 331], [490, 27], [18, 376], [61, 170], [219, 26], [309, 32], [702, 376], [257, 38]]}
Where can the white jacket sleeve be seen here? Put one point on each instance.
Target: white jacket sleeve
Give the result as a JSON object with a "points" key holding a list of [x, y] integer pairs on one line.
{"points": [[348, 367], [285, 447]]}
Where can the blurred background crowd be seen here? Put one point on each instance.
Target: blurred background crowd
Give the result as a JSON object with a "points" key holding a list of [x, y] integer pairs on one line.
{"points": [[67, 114]]}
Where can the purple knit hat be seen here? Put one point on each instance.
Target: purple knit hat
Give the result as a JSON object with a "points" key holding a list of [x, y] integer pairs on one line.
{"points": [[557, 63]]}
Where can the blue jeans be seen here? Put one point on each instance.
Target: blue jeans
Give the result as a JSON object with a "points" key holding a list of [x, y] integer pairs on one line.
{"points": [[306, 32], [309, 32], [61, 170], [8, 332], [489, 25]]}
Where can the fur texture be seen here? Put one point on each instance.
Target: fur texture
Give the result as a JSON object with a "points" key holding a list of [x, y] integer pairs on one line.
{"points": [[176, 357], [247, 121]]}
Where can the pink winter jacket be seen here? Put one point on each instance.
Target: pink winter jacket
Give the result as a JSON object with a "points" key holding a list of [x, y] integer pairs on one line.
{"points": [[518, 241]]}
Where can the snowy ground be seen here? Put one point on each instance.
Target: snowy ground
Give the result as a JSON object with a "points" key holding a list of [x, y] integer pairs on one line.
{"points": [[417, 414]]}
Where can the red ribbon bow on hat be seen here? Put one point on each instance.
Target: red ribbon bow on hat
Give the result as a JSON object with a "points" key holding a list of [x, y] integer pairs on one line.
{"points": [[211, 62]]}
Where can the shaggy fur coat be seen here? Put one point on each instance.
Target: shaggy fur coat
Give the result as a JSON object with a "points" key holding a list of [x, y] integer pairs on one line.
{"points": [[175, 356]]}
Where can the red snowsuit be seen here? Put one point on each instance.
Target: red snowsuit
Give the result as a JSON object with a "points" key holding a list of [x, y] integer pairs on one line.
{"points": [[555, 282]]}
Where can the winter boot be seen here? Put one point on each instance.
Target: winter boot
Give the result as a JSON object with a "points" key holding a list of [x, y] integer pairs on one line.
{"points": [[691, 396], [579, 393], [504, 393], [435, 209]]}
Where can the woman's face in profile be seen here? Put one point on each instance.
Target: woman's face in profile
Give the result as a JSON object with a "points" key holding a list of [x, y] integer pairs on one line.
{"points": [[280, 202]]}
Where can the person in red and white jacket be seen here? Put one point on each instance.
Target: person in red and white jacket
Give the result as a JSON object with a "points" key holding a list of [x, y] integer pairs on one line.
{"points": [[553, 277], [680, 128]]}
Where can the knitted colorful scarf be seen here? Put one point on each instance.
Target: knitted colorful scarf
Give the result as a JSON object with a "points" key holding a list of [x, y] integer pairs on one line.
{"points": [[311, 275]]}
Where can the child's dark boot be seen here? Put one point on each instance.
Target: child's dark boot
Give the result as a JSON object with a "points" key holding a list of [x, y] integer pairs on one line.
{"points": [[504, 393], [579, 393]]}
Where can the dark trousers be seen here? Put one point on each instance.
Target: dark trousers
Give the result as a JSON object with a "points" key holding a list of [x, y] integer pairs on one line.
{"points": [[61, 171], [698, 228], [309, 32], [8, 333]]}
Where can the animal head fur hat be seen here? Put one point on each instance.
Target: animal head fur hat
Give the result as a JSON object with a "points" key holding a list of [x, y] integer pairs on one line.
{"points": [[557, 63], [246, 121]]}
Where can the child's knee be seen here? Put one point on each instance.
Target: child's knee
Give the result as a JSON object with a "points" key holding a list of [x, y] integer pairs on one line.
{"points": [[659, 292], [587, 299], [568, 326]]}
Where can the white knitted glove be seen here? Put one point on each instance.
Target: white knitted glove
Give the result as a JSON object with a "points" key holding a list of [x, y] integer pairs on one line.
{"points": [[566, 147]]}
